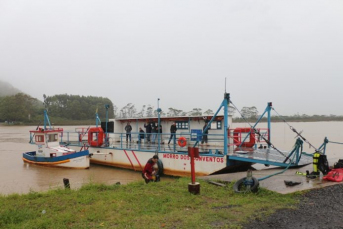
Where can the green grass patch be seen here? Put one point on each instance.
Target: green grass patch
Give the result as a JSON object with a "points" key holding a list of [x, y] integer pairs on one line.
{"points": [[165, 204]]}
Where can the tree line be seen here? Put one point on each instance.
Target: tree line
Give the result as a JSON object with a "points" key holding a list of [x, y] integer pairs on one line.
{"points": [[72, 108], [23, 108]]}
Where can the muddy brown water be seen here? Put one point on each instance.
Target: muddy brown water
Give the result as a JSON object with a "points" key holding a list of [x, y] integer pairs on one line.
{"points": [[19, 177]]}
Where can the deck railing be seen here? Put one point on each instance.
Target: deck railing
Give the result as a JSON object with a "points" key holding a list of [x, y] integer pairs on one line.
{"points": [[215, 144]]}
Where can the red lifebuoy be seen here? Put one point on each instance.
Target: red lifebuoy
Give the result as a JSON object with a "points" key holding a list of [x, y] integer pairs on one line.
{"points": [[182, 142], [96, 136]]}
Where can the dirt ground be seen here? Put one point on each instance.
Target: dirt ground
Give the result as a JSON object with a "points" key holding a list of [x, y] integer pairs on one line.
{"points": [[318, 208]]}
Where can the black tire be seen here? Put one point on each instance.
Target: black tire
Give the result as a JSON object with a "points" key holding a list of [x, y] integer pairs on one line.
{"points": [[240, 186], [160, 167]]}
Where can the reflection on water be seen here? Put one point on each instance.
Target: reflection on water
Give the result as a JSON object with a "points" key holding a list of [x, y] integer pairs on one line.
{"points": [[19, 177]]}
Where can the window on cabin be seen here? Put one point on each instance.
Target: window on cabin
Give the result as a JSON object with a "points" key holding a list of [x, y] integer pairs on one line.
{"points": [[181, 125], [39, 138], [52, 137], [216, 125], [219, 124]]}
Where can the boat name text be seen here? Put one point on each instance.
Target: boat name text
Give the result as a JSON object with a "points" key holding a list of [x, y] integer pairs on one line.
{"points": [[186, 157]]}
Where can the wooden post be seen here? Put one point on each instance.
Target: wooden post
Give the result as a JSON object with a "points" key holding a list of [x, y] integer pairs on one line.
{"points": [[66, 183]]}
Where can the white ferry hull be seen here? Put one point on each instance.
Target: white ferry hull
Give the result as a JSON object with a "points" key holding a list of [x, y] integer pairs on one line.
{"points": [[173, 164]]}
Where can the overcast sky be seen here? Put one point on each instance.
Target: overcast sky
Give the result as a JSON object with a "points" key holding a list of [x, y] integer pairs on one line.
{"points": [[286, 52]]}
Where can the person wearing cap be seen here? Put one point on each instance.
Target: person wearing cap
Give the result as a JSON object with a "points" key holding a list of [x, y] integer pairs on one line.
{"points": [[173, 130], [148, 170]]}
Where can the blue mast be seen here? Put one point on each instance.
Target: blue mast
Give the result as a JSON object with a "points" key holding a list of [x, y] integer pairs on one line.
{"points": [[46, 117], [226, 103], [158, 124], [46, 120]]}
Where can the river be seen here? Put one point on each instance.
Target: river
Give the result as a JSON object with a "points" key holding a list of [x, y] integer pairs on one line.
{"points": [[19, 177]]}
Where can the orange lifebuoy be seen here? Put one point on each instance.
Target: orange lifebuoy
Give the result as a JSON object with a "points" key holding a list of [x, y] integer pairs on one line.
{"points": [[96, 136], [182, 141]]}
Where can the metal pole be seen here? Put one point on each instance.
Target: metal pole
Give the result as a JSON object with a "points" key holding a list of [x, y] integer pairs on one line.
{"points": [[226, 104], [158, 124], [269, 122], [106, 106]]}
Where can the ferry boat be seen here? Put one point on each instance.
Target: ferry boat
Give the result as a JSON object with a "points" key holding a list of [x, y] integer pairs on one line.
{"points": [[226, 148], [49, 151]]}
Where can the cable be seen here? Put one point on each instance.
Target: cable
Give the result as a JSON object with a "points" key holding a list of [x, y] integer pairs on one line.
{"points": [[258, 132], [295, 131]]}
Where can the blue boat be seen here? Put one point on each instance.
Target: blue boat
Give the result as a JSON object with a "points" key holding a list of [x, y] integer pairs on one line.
{"points": [[49, 151]]}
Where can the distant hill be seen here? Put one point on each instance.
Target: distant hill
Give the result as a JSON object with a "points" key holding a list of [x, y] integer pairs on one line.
{"points": [[7, 89]]}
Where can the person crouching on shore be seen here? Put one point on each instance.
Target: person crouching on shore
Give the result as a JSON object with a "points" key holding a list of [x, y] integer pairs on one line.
{"points": [[148, 170]]}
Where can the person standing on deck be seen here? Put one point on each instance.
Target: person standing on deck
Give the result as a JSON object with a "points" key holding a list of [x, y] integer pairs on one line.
{"points": [[128, 129], [147, 127], [204, 134], [159, 132], [141, 135], [153, 132], [173, 130], [148, 170]]}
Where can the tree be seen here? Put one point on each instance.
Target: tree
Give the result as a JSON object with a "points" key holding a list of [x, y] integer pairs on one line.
{"points": [[77, 107], [249, 112], [208, 112], [195, 112], [172, 112], [141, 113], [19, 107], [149, 111]]}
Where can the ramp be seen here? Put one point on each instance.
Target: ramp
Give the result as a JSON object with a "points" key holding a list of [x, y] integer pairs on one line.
{"points": [[268, 157]]}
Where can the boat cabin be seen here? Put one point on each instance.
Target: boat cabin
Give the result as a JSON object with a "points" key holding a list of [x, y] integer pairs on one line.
{"points": [[191, 126], [48, 142]]}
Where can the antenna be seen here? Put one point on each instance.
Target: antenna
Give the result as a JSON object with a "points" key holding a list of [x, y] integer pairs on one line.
{"points": [[225, 85]]}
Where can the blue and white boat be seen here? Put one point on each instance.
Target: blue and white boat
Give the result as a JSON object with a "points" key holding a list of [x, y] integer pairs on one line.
{"points": [[49, 151]]}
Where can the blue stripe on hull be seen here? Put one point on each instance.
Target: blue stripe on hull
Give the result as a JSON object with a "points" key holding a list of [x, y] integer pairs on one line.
{"points": [[31, 156]]}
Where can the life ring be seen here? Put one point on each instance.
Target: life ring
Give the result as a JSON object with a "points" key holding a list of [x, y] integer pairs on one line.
{"points": [[160, 167], [237, 137], [182, 142], [96, 136]]}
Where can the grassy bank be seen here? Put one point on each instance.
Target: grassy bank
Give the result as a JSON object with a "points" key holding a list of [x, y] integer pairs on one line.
{"points": [[166, 204]]}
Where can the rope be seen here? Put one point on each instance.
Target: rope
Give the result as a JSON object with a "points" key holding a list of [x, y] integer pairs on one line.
{"points": [[266, 177], [258, 132], [336, 142], [295, 131]]}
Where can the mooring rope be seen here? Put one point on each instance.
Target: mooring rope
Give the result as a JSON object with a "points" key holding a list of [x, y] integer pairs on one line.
{"points": [[295, 131], [258, 132], [336, 142], [277, 173]]}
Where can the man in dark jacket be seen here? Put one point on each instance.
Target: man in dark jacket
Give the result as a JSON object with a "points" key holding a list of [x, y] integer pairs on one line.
{"points": [[148, 170], [141, 134], [173, 130], [148, 128], [204, 134], [128, 129]]}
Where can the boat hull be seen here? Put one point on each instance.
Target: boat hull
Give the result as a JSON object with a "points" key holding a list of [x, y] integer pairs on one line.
{"points": [[176, 163], [77, 160]]}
